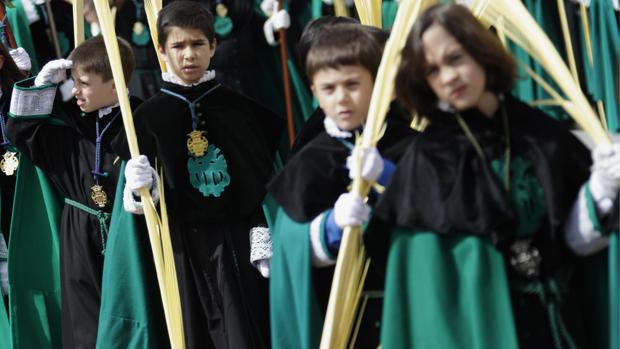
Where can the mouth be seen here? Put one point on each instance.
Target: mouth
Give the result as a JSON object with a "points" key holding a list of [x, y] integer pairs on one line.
{"points": [[80, 102], [458, 92], [189, 68], [345, 114]]}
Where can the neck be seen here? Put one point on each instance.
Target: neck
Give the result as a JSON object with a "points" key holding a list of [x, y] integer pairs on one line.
{"points": [[488, 104]]}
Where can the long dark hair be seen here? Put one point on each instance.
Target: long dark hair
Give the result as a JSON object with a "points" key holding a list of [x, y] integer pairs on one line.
{"points": [[413, 91], [9, 74]]}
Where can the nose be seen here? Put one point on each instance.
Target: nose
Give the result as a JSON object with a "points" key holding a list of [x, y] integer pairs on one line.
{"points": [[189, 53], [75, 90], [342, 95], [447, 75]]}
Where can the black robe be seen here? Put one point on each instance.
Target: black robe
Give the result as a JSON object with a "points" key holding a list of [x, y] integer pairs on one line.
{"points": [[223, 297], [64, 148], [442, 185], [310, 184]]}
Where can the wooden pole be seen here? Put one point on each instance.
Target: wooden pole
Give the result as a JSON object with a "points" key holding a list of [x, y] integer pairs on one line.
{"points": [[287, 87]]}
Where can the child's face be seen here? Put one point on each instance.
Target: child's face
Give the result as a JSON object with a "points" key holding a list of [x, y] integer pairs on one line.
{"points": [[91, 92], [187, 53], [452, 73], [344, 94]]}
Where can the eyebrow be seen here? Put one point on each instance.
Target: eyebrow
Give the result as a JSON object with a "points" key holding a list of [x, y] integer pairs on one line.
{"points": [[197, 41]]}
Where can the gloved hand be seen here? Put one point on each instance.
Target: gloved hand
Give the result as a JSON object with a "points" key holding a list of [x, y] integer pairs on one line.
{"points": [[350, 209], [605, 177], [53, 72], [279, 21], [261, 250], [21, 59], [268, 7], [371, 164], [138, 174]]}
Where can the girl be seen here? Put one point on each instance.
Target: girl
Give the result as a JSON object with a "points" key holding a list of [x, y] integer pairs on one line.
{"points": [[482, 202]]}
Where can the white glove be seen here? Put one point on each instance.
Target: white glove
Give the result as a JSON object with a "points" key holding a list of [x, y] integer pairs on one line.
{"points": [[138, 174], [21, 59], [350, 210], [371, 166], [261, 250], [268, 7], [279, 21], [4, 278], [53, 72], [605, 177]]}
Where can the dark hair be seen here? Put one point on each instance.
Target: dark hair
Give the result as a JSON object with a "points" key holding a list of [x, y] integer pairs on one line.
{"points": [[314, 29], [91, 56], [413, 91], [10, 73], [342, 45], [184, 14]]}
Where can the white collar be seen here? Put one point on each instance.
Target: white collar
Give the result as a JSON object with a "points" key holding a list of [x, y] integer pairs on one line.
{"points": [[106, 110], [333, 130], [170, 77]]}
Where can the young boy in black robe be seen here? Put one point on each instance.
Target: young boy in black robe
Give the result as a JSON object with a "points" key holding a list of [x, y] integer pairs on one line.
{"points": [[312, 188], [216, 149], [72, 145]]}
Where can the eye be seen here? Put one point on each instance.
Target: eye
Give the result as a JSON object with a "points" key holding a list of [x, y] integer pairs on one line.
{"points": [[328, 88], [454, 58], [352, 84], [431, 71]]}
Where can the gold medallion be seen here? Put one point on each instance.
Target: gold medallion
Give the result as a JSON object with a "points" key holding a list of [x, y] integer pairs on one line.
{"points": [[197, 143], [221, 10], [98, 195], [9, 163], [138, 28]]}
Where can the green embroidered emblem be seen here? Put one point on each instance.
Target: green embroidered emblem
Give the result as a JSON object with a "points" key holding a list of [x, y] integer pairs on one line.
{"points": [[223, 25], [209, 173], [140, 34], [526, 194]]}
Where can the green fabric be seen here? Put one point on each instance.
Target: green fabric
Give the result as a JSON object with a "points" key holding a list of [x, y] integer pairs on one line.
{"points": [[21, 32], [296, 320], [546, 15], [602, 75], [131, 315], [34, 262], [388, 13], [446, 292], [614, 296]]}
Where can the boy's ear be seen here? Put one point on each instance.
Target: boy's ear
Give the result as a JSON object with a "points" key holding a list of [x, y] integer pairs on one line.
{"points": [[313, 89], [161, 50], [213, 46]]}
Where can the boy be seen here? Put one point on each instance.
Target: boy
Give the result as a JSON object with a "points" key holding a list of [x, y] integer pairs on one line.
{"points": [[78, 159], [312, 188], [216, 150]]}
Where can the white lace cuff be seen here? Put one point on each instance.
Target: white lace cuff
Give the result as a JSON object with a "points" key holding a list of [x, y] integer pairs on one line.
{"points": [[260, 244]]}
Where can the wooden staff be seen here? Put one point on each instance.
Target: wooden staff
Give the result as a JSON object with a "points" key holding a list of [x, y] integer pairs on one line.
{"points": [[287, 87], [52, 28], [78, 22]]}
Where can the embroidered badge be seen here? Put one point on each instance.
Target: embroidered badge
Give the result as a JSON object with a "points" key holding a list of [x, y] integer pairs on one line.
{"points": [[223, 24], [9, 163], [98, 195], [197, 143], [209, 173]]}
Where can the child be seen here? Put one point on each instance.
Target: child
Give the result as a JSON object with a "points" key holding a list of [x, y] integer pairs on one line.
{"points": [[216, 149], [312, 188], [482, 202], [79, 161]]}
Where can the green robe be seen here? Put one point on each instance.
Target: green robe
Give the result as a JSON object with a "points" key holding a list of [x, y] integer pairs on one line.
{"points": [[131, 315], [34, 262], [21, 31], [297, 321]]}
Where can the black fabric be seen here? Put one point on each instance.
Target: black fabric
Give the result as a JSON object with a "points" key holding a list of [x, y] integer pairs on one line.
{"points": [[442, 185], [7, 183], [246, 133], [224, 298], [308, 131], [313, 179], [66, 154]]}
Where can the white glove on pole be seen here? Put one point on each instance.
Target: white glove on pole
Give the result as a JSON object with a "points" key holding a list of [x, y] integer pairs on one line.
{"points": [[53, 72], [138, 174], [281, 20], [350, 210], [605, 177], [268, 7], [371, 164]]}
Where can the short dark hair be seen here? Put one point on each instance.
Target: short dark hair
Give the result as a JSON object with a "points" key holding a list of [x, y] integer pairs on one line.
{"points": [[413, 91], [314, 29], [344, 44], [91, 56], [185, 14]]}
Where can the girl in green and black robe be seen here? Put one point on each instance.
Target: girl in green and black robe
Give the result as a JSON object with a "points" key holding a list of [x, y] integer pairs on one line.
{"points": [[488, 207]]}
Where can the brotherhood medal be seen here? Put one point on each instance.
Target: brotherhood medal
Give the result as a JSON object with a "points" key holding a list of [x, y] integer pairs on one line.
{"points": [[98, 195], [197, 143], [9, 163]]}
